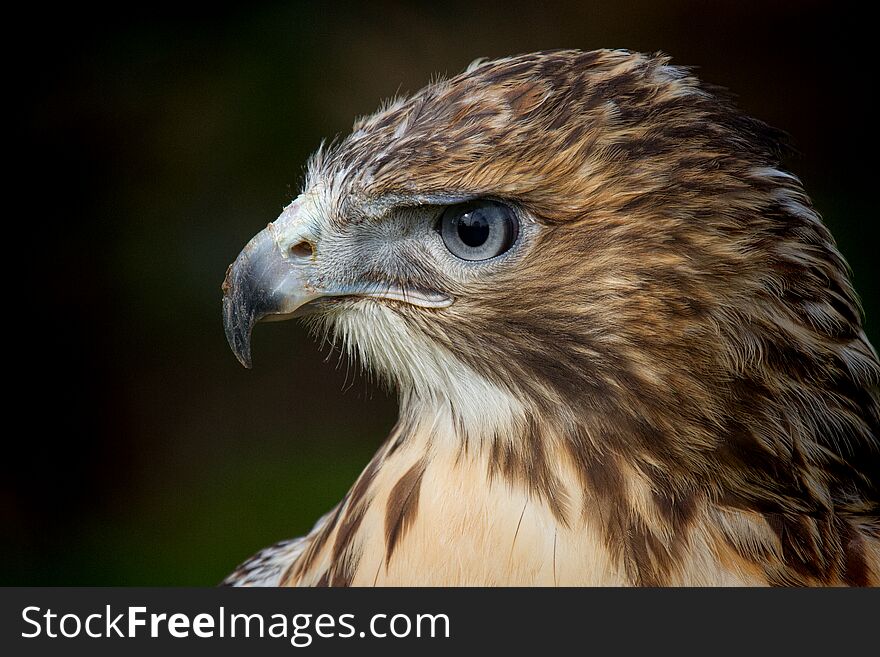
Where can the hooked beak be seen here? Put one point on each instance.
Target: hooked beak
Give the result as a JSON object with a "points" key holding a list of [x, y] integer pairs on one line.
{"points": [[277, 274], [265, 281]]}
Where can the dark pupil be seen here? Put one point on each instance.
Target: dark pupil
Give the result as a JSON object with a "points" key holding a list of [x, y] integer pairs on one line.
{"points": [[473, 229]]}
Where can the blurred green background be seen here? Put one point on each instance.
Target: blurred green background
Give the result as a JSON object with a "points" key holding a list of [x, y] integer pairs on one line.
{"points": [[157, 140]]}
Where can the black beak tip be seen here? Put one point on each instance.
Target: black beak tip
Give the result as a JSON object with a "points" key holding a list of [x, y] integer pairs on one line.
{"points": [[243, 354], [238, 326]]}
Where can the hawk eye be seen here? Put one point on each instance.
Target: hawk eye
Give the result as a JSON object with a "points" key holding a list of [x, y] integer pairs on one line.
{"points": [[478, 230]]}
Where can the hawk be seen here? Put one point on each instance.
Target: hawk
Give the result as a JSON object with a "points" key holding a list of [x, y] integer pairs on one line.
{"points": [[626, 348]]}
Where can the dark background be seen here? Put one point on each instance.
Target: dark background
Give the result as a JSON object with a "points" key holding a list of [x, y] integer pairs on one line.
{"points": [[146, 147]]}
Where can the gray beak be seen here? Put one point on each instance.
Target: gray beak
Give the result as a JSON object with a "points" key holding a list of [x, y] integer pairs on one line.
{"points": [[277, 274], [266, 282]]}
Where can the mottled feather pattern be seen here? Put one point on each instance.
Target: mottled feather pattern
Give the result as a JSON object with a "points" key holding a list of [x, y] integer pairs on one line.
{"points": [[266, 567], [684, 387]]}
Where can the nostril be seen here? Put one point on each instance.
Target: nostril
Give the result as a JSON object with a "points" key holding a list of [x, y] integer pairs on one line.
{"points": [[302, 250]]}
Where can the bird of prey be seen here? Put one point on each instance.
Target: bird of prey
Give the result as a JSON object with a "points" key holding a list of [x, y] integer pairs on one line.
{"points": [[626, 348]]}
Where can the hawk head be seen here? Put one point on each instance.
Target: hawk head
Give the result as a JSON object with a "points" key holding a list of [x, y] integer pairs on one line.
{"points": [[590, 257]]}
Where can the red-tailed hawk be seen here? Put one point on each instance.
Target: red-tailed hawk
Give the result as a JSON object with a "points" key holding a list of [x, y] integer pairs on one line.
{"points": [[626, 348]]}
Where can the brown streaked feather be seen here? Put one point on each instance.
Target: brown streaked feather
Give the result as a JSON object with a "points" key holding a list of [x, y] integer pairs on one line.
{"points": [[402, 506]]}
